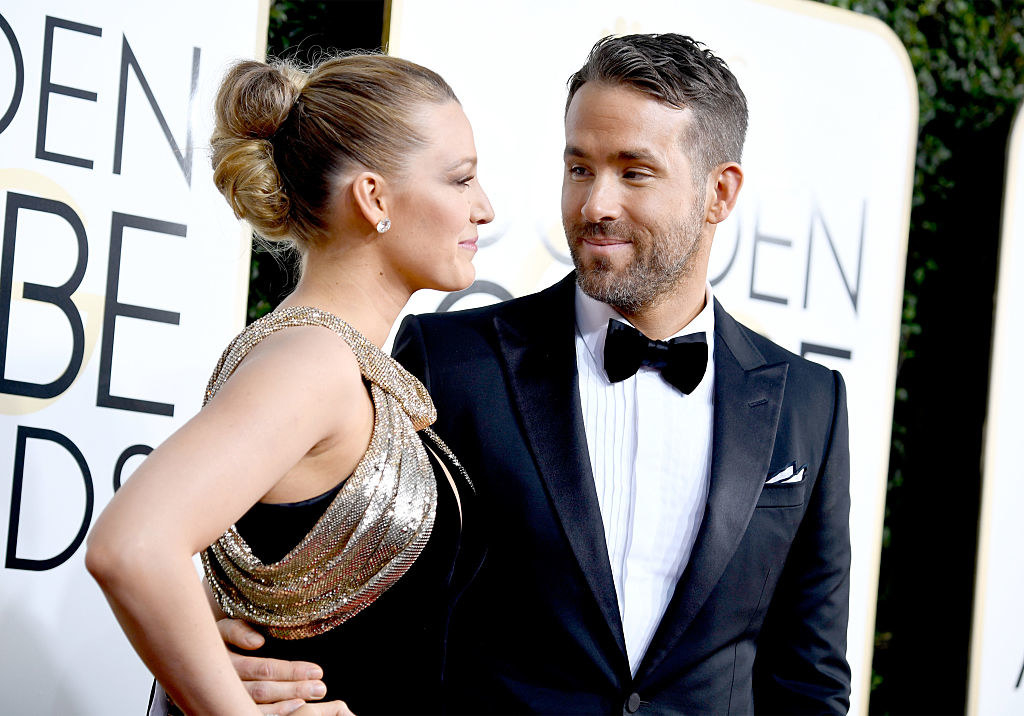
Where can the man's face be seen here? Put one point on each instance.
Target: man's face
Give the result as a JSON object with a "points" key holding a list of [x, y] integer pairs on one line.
{"points": [[633, 213]]}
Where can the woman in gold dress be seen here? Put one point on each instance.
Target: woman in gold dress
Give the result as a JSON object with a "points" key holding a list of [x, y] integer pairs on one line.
{"points": [[327, 514]]}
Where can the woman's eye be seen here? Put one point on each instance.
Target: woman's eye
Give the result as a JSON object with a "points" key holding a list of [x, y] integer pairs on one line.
{"points": [[467, 180]]}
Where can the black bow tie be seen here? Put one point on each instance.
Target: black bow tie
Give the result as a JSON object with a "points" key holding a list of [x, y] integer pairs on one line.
{"points": [[682, 361]]}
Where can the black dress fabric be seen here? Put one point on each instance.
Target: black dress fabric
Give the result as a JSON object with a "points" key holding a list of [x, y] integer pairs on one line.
{"points": [[388, 658]]}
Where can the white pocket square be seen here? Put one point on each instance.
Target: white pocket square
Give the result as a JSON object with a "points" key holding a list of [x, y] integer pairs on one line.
{"points": [[788, 476]]}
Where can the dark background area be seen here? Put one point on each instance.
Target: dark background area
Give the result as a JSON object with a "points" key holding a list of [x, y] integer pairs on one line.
{"points": [[969, 61]]}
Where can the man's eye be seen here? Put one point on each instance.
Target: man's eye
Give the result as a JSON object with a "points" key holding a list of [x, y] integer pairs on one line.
{"points": [[633, 174], [577, 171]]}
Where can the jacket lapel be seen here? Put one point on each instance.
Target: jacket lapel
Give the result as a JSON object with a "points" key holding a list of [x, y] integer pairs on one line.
{"points": [[748, 401], [538, 343]]}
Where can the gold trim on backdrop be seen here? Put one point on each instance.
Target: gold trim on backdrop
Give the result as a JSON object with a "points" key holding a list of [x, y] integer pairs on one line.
{"points": [[244, 273], [262, 29], [392, 9]]}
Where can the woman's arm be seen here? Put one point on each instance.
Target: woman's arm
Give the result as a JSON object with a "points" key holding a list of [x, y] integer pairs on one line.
{"points": [[298, 391]]}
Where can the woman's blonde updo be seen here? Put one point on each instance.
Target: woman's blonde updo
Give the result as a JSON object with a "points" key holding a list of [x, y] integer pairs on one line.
{"points": [[283, 134]]}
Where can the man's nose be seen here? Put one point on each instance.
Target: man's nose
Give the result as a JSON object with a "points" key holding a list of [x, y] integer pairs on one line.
{"points": [[602, 204]]}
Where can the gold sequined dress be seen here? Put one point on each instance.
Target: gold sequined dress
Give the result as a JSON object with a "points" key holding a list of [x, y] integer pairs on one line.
{"points": [[361, 579]]}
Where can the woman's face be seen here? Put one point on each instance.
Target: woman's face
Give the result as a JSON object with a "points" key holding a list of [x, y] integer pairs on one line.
{"points": [[438, 204]]}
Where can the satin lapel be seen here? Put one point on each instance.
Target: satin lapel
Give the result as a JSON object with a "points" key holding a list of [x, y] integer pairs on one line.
{"points": [[539, 348], [748, 400]]}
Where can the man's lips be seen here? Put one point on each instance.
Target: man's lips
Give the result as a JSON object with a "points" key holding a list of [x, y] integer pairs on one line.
{"points": [[604, 240]]}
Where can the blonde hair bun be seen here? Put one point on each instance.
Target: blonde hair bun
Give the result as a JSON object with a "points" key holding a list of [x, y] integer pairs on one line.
{"points": [[252, 104]]}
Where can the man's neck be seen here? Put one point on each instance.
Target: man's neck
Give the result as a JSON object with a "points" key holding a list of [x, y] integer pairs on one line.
{"points": [[671, 312]]}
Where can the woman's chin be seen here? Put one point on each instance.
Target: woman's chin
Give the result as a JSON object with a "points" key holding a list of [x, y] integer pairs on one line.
{"points": [[464, 279], [459, 278]]}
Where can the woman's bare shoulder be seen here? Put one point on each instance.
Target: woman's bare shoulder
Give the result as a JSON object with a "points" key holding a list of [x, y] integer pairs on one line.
{"points": [[303, 367]]}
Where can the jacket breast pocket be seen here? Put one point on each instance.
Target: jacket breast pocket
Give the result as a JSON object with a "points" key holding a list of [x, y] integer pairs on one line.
{"points": [[791, 495]]}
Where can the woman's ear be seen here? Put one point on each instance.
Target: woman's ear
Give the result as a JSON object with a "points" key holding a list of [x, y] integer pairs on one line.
{"points": [[726, 182], [369, 193]]}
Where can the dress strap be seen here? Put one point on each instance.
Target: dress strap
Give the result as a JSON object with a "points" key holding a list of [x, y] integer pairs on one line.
{"points": [[376, 366]]}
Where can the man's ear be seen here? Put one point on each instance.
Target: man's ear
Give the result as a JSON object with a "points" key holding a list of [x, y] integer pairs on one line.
{"points": [[725, 182], [370, 196]]}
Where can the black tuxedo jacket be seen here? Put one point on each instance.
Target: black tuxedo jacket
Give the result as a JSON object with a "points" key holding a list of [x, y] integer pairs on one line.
{"points": [[758, 620]]}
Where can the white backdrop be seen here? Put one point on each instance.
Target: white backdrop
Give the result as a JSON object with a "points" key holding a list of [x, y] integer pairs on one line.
{"points": [[813, 256], [123, 275], [997, 639]]}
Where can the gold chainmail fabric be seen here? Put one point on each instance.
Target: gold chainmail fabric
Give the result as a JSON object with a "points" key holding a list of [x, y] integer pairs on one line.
{"points": [[373, 530]]}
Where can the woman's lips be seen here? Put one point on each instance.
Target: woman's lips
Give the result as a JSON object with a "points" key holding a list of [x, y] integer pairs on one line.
{"points": [[469, 244]]}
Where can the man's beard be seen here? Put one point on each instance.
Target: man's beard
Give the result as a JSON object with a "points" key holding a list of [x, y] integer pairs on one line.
{"points": [[658, 264]]}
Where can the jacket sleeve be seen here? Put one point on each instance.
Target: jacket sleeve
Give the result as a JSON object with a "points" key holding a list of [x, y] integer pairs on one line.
{"points": [[801, 666]]}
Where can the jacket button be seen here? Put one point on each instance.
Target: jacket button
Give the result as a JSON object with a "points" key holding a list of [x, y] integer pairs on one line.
{"points": [[633, 703]]}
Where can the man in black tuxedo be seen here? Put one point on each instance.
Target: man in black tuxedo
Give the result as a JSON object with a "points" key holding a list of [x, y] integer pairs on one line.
{"points": [[581, 606], [666, 492]]}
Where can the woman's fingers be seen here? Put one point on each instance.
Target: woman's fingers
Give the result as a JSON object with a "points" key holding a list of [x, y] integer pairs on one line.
{"points": [[239, 634], [331, 708], [270, 681], [282, 707], [258, 668]]}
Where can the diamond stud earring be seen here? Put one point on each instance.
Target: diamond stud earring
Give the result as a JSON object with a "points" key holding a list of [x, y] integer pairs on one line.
{"points": [[383, 225]]}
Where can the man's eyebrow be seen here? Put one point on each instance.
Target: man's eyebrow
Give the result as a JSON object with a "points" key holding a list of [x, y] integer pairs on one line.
{"points": [[628, 155], [641, 155]]}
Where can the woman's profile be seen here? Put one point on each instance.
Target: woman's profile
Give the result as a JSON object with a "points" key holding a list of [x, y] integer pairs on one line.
{"points": [[327, 513]]}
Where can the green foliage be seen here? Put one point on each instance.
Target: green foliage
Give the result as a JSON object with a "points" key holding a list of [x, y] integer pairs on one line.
{"points": [[291, 21], [272, 275]]}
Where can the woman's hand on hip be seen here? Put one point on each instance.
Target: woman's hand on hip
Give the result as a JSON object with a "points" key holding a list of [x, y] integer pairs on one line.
{"points": [[271, 681]]}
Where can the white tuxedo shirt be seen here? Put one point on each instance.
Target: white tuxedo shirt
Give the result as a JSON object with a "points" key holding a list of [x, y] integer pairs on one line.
{"points": [[650, 452]]}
